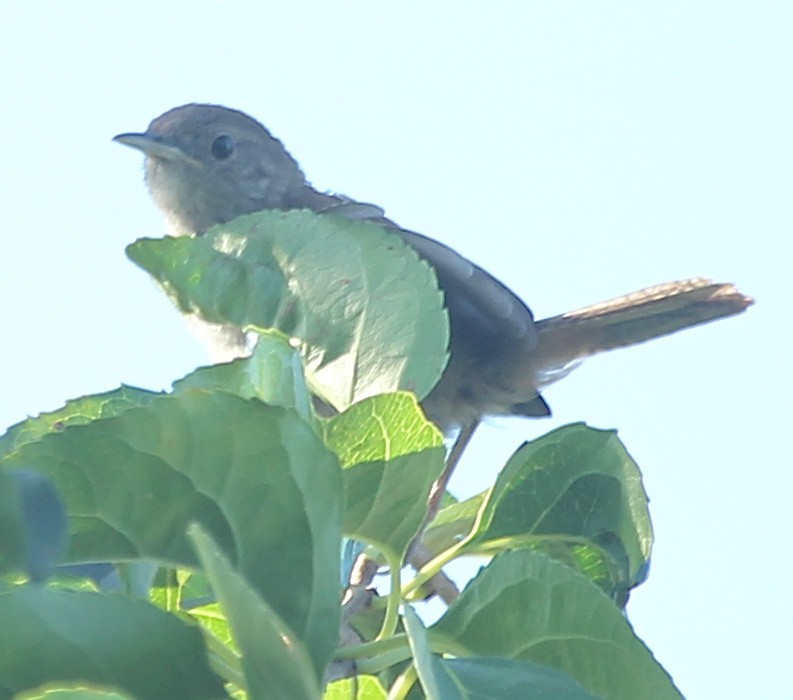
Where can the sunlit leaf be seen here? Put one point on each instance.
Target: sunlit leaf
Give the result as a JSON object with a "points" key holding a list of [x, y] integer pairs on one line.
{"points": [[366, 308], [390, 455]]}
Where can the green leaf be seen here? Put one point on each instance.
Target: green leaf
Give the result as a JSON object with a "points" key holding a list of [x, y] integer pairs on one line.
{"points": [[578, 486], [358, 688], [483, 678], [273, 374], [255, 476], [366, 308], [526, 606], [101, 639], [76, 412], [214, 620], [275, 662], [390, 455], [381, 428], [78, 691]]}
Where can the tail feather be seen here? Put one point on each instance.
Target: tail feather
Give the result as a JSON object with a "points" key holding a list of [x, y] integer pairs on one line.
{"points": [[650, 313]]}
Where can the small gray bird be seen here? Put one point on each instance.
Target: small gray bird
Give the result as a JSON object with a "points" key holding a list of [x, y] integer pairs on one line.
{"points": [[207, 164]]}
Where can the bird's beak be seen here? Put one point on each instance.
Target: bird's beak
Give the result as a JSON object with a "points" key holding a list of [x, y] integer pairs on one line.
{"points": [[155, 147]]}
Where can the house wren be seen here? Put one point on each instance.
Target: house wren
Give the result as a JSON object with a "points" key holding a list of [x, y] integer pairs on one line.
{"points": [[207, 164]]}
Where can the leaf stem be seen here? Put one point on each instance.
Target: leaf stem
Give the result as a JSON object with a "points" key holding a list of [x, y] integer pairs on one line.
{"points": [[403, 684], [394, 598], [380, 663], [369, 649]]}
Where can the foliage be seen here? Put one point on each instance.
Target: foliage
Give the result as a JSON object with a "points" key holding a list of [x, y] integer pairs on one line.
{"points": [[205, 525]]}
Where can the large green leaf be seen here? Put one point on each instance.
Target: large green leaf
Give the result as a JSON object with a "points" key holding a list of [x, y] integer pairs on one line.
{"points": [[367, 310], [51, 635], [255, 476], [470, 678], [574, 494], [76, 412], [276, 664], [274, 374], [390, 455], [580, 487], [525, 605], [484, 678]]}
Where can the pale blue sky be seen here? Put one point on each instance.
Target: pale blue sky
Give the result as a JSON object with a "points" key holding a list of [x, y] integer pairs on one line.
{"points": [[576, 150]]}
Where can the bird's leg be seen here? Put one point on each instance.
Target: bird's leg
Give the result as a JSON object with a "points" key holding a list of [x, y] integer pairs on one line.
{"points": [[440, 484], [439, 487], [417, 556]]}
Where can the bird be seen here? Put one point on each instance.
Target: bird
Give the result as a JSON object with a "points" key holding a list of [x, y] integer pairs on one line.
{"points": [[208, 164]]}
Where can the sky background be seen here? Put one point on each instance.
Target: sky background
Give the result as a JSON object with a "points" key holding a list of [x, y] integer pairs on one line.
{"points": [[576, 150]]}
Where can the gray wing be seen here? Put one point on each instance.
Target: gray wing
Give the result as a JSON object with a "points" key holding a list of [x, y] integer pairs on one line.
{"points": [[476, 294]]}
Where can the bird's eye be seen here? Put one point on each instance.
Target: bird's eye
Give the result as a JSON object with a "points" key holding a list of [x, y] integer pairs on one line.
{"points": [[222, 147]]}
